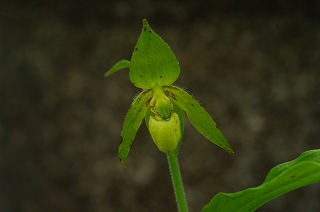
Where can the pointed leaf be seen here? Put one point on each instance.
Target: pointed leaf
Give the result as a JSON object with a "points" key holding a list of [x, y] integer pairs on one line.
{"points": [[122, 64], [198, 116], [153, 62], [283, 178], [132, 123]]}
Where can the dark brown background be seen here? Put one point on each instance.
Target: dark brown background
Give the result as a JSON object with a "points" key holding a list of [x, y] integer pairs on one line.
{"points": [[254, 65]]}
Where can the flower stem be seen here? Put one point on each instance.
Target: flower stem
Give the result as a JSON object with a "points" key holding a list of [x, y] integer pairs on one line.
{"points": [[177, 182]]}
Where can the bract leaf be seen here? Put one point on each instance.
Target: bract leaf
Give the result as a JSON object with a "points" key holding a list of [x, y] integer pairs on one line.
{"points": [[153, 62], [132, 123], [283, 178], [122, 64], [198, 116]]}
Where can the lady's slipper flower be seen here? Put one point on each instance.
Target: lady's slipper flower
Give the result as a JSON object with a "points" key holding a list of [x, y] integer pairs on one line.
{"points": [[154, 67]]}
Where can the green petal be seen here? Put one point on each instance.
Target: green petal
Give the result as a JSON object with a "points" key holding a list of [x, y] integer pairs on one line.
{"points": [[122, 64], [198, 116], [153, 62], [132, 123]]}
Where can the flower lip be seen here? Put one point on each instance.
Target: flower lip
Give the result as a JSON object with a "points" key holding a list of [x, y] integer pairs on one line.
{"points": [[166, 134]]}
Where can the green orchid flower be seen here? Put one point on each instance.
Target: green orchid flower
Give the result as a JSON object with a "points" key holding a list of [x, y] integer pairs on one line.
{"points": [[154, 68]]}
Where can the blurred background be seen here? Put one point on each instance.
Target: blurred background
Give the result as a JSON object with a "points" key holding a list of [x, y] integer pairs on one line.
{"points": [[254, 65]]}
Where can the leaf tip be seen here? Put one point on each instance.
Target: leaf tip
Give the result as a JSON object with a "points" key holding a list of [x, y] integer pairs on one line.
{"points": [[231, 151], [123, 161], [145, 23], [228, 149], [122, 64], [106, 74]]}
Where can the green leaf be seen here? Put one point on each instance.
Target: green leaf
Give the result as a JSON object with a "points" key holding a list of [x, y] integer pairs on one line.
{"points": [[198, 116], [283, 178], [153, 62], [132, 123], [122, 64]]}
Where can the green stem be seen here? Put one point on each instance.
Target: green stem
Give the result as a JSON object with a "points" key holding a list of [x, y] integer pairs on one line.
{"points": [[177, 182]]}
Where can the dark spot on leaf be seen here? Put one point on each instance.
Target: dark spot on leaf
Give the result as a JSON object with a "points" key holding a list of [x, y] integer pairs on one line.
{"points": [[136, 49], [160, 76], [150, 31], [174, 88], [148, 101], [138, 99], [140, 76], [144, 29], [192, 105], [293, 176], [173, 97]]}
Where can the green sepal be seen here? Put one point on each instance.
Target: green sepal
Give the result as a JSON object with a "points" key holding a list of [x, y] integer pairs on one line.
{"points": [[198, 116], [132, 122], [153, 63], [122, 64]]}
